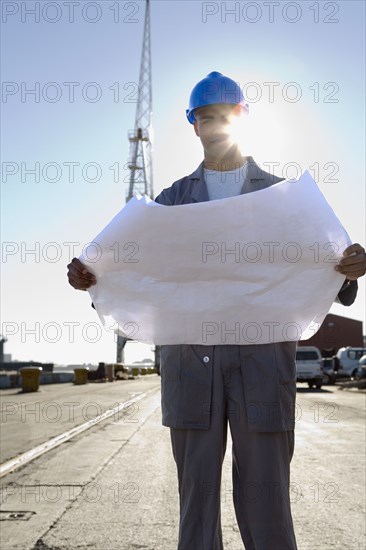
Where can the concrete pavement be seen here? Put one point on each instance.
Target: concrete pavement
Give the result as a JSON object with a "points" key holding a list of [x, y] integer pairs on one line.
{"points": [[114, 486], [29, 419]]}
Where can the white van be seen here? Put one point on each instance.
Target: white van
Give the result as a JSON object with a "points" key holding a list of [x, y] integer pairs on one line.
{"points": [[348, 360], [309, 366]]}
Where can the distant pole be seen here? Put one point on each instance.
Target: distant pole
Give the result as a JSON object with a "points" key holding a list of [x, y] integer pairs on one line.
{"points": [[2, 342]]}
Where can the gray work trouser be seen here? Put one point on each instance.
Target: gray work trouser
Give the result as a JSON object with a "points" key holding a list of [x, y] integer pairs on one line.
{"points": [[260, 471]]}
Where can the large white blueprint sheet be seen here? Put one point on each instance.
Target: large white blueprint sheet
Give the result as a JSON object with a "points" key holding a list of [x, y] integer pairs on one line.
{"points": [[252, 269]]}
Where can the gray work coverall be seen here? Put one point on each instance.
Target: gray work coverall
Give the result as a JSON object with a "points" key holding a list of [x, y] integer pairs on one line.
{"points": [[253, 387]]}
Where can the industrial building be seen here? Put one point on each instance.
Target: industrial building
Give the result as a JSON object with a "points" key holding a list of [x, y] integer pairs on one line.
{"points": [[336, 332]]}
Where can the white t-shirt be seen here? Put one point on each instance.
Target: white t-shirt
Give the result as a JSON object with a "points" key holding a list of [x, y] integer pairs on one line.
{"points": [[221, 185]]}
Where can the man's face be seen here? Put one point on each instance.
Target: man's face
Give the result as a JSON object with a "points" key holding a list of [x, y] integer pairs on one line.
{"points": [[214, 125]]}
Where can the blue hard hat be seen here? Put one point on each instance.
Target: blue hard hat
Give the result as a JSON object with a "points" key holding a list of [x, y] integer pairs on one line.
{"points": [[215, 88]]}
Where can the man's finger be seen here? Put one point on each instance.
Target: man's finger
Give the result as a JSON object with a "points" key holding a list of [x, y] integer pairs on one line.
{"points": [[353, 260], [80, 267], [77, 274], [356, 247], [79, 285], [352, 269]]}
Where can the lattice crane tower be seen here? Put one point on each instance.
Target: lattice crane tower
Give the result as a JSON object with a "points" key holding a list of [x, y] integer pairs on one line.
{"points": [[140, 161]]}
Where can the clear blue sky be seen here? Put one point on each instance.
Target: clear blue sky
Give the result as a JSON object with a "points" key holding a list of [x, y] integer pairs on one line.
{"points": [[316, 45]]}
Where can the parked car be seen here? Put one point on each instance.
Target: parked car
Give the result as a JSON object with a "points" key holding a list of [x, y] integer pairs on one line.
{"points": [[309, 366], [348, 360], [329, 373], [360, 373]]}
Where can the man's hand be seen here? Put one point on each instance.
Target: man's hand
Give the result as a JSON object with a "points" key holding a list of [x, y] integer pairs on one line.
{"points": [[79, 277], [353, 264]]}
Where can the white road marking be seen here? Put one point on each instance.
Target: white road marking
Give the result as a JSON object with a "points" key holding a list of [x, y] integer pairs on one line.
{"points": [[23, 458]]}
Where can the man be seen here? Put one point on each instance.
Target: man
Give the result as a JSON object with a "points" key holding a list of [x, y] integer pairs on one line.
{"points": [[252, 387]]}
